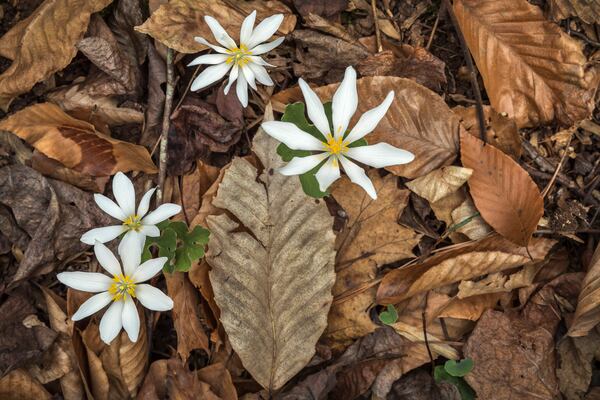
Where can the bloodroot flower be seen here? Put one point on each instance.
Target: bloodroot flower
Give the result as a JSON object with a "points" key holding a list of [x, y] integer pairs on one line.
{"points": [[243, 61], [336, 149], [121, 289], [135, 225]]}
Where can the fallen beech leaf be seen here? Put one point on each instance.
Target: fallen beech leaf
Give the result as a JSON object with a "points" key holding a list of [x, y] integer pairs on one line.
{"points": [[470, 308], [506, 39], [176, 23], [415, 334], [273, 286], [418, 120], [53, 169], [469, 223], [587, 10], [440, 183], [587, 314], [371, 238], [503, 192], [19, 385], [43, 44], [219, 379], [499, 282], [470, 260], [76, 143]]}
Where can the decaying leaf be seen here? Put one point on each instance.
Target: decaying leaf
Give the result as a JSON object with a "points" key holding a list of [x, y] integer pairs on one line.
{"points": [[418, 120], [176, 23], [43, 43], [587, 314], [273, 282], [499, 282], [531, 69], [503, 192], [440, 183], [587, 10], [466, 218], [575, 358], [371, 238], [76, 143], [19, 385]]}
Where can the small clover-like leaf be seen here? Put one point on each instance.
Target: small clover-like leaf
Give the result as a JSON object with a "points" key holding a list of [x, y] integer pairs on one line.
{"points": [[459, 368], [190, 245], [466, 392], [389, 316]]}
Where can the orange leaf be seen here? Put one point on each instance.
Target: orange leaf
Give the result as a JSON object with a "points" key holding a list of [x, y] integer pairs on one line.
{"points": [[503, 192], [75, 143]]}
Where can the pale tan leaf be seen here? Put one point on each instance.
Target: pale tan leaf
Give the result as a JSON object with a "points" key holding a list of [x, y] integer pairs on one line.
{"points": [[531, 69], [587, 314], [499, 282], [418, 120], [440, 182], [415, 334], [19, 385], [470, 308], [272, 280], [43, 43], [503, 192], [176, 23], [475, 228]]}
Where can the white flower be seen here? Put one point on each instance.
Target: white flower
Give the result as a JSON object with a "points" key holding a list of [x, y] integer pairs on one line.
{"points": [[120, 290], [138, 225], [337, 147], [243, 61]]}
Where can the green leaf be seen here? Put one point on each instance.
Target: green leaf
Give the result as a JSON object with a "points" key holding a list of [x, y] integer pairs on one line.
{"points": [[466, 392], [166, 244], [459, 368], [390, 316]]}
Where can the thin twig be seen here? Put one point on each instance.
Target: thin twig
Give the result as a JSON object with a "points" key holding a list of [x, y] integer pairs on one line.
{"points": [[558, 168], [187, 89], [164, 141], [425, 333], [472, 71], [435, 25], [377, 33]]}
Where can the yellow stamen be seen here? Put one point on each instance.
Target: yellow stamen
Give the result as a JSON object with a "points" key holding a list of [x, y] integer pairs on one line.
{"points": [[239, 55], [133, 222], [123, 285], [335, 146]]}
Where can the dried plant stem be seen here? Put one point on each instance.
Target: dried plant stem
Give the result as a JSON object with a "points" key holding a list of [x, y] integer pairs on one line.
{"points": [[377, 32], [435, 25], [164, 140], [472, 71], [558, 168]]}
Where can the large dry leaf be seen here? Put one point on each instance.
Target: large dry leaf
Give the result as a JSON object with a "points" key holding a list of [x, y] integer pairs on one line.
{"points": [[587, 314], [19, 385], [531, 69], [418, 120], [492, 254], [43, 43], [272, 282], [503, 192], [371, 238], [76, 143], [440, 183], [176, 23]]}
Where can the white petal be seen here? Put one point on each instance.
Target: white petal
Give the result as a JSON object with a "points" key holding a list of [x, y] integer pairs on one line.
{"points": [[300, 165], [344, 103], [131, 319], [241, 89], [124, 193], [163, 212], [328, 173], [246, 29], [152, 298], [150, 230], [102, 235], [314, 108], [112, 322], [149, 269], [109, 207], [145, 203], [358, 176], [369, 120], [232, 77], [130, 251], [94, 304], [380, 155], [203, 41], [210, 75], [259, 61], [266, 47], [261, 74], [107, 259], [265, 30], [85, 281], [292, 136], [209, 59], [249, 75], [219, 33]]}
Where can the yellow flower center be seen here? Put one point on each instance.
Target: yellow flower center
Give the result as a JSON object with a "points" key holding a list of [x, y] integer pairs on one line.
{"points": [[123, 285], [335, 146], [133, 222], [239, 55]]}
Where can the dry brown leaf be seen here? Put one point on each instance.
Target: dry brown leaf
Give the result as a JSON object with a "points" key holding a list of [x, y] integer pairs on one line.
{"points": [[587, 314], [273, 282], [43, 43], [371, 238], [19, 385], [503, 192], [476, 228], [76, 143], [418, 120], [440, 183], [492, 254], [470, 308], [531, 69], [587, 10], [574, 369], [176, 23]]}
